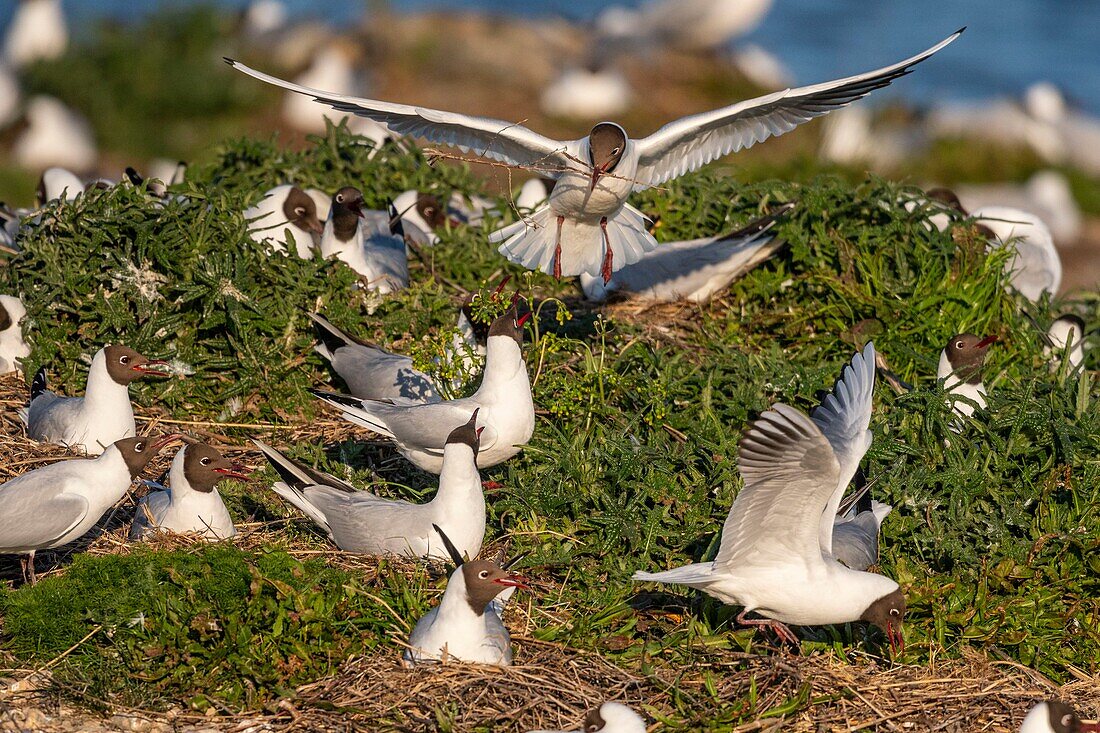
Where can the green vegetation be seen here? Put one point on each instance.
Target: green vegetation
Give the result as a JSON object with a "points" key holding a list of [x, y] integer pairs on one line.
{"points": [[995, 532]]}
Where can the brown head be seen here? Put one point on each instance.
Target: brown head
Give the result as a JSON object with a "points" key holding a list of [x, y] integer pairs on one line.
{"points": [[347, 209], [966, 354], [301, 211], [203, 467], [137, 452], [468, 433], [1063, 719], [431, 210], [7, 322], [888, 613], [510, 324], [606, 145], [593, 721], [485, 580], [124, 365], [946, 197]]}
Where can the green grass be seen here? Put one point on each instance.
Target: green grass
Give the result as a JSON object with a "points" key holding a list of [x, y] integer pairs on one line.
{"points": [[995, 533]]}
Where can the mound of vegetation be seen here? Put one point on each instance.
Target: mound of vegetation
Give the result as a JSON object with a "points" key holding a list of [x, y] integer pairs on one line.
{"points": [[994, 533]]}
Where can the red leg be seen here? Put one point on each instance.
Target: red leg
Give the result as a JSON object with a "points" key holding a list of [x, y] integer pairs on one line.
{"points": [[781, 630], [607, 254], [557, 250]]}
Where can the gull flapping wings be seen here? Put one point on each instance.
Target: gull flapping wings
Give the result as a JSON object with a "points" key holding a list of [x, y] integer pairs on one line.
{"points": [[691, 142], [507, 142], [844, 417], [795, 470]]}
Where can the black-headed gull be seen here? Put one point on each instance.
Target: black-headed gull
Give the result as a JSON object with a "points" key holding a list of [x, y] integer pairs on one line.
{"points": [[103, 415], [1055, 717], [190, 502], [466, 625], [506, 410], [1067, 331], [960, 368], [694, 269], [611, 717], [13, 347], [587, 225], [378, 256], [60, 503], [359, 521], [57, 183], [856, 526], [285, 212], [776, 556]]}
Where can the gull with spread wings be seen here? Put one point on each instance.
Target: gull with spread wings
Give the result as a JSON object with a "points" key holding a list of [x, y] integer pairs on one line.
{"points": [[586, 225]]}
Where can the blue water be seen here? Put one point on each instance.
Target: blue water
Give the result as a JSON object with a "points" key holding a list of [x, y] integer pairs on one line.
{"points": [[1008, 45]]}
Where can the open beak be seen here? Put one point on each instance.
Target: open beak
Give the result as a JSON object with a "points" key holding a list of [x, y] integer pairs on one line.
{"points": [[1089, 727], [357, 207], [236, 471], [500, 288], [986, 341], [897, 641], [170, 438], [597, 171], [524, 319], [514, 580], [146, 371]]}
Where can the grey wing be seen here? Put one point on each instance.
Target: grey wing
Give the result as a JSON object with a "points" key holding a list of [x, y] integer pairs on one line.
{"points": [[425, 426], [855, 541], [790, 474], [843, 417], [34, 518], [691, 142], [507, 142], [363, 522], [389, 257], [49, 416], [374, 374]]}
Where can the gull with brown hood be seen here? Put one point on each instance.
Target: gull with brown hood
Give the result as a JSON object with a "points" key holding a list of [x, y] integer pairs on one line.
{"points": [[361, 522], [505, 408], [466, 625], [57, 504], [611, 717], [13, 347], [378, 256], [190, 502], [587, 226], [776, 555], [960, 368], [1054, 716], [103, 415], [285, 213]]}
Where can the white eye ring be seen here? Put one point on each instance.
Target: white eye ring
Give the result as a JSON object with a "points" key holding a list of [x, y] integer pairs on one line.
{"points": [[1067, 720], [958, 344], [894, 612], [300, 210], [429, 210], [615, 151], [339, 198], [483, 574], [205, 461], [139, 447], [123, 360]]}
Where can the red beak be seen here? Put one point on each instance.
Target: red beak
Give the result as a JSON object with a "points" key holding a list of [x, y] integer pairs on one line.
{"points": [[315, 225], [1090, 727], [524, 319], [171, 437], [514, 581], [357, 207], [500, 288], [147, 372], [986, 341], [897, 641], [479, 431], [236, 471], [597, 171]]}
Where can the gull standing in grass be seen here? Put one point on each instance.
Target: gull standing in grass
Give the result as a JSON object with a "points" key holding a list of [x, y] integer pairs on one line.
{"points": [[1055, 717], [587, 226], [99, 418], [285, 211], [693, 270], [611, 717], [776, 556], [13, 347], [358, 521], [505, 408], [466, 625], [960, 368], [190, 502], [60, 503]]}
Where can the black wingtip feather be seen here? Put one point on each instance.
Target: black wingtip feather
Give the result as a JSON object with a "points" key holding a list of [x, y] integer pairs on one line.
{"points": [[327, 334], [344, 400], [38, 384], [231, 62]]}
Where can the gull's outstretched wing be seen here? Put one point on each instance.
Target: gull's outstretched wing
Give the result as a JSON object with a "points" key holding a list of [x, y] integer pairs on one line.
{"points": [[507, 142], [691, 142]]}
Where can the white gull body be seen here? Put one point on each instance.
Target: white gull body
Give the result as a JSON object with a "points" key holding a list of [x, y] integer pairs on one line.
{"points": [[179, 508], [13, 347], [378, 256], [955, 386], [1036, 268], [611, 717], [55, 135], [267, 223], [777, 542], [1064, 332]]}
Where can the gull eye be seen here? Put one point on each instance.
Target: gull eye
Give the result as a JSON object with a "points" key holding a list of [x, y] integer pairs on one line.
{"points": [[895, 612], [958, 344], [205, 461], [300, 210], [1067, 720], [123, 360], [339, 198], [139, 447], [429, 210], [483, 574], [615, 150]]}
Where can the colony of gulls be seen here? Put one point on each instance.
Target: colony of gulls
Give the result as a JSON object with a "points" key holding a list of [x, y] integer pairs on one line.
{"points": [[797, 547]]}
